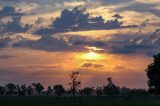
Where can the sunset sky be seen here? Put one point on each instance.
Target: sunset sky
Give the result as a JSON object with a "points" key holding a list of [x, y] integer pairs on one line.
{"points": [[45, 40]]}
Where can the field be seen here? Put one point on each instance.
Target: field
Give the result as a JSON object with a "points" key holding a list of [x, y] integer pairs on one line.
{"points": [[79, 101]]}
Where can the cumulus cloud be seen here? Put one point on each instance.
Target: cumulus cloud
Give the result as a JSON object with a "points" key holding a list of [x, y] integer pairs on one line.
{"points": [[79, 19], [13, 24]]}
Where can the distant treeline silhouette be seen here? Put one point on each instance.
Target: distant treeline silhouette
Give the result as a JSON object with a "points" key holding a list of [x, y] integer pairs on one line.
{"points": [[37, 89], [110, 89]]}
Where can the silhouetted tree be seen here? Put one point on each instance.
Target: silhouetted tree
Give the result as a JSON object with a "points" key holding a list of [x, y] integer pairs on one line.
{"points": [[138, 92], [87, 91], [111, 88], [21, 90], [38, 87], [125, 91], [153, 74], [49, 90], [59, 90], [29, 90], [99, 91], [2, 90], [11, 88], [75, 82]]}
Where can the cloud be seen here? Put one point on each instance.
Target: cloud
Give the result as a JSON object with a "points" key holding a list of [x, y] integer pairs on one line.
{"points": [[46, 43], [130, 49], [89, 65], [79, 19], [141, 7], [112, 2], [126, 43], [9, 11], [3, 44], [117, 16], [6, 57], [14, 23]]}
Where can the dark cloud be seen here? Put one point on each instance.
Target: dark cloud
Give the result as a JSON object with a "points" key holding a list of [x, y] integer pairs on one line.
{"points": [[95, 43], [146, 44], [6, 57], [88, 65], [9, 11], [141, 7], [119, 67], [46, 43], [131, 48], [14, 24], [79, 19], [117, 16], [125, 43], [111, 2], [117, 44], [3, 44]]}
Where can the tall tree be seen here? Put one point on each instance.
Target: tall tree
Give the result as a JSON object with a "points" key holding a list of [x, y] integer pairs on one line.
{"points": [[111, 88], [75, 82], [153, 74]]}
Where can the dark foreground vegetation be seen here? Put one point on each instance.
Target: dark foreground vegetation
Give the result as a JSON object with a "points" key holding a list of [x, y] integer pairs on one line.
{"points": [[109, 94], [80, 101]]}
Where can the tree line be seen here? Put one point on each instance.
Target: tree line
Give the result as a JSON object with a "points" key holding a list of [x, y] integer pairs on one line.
{"points": [[37, 89], [109, 89]]}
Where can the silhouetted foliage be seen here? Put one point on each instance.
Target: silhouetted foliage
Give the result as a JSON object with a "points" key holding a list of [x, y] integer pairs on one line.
{"points": [[10, 89], [75, 82], [59, 90], [153, 74], [99, 91], [125, 91], [2, 90], [49, 90], [111, 88], [87, 91], [38, 87], [29, 90], [21, 90]]}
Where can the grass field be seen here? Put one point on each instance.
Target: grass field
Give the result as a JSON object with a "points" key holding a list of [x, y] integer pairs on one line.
{"points": [[79, 101]]}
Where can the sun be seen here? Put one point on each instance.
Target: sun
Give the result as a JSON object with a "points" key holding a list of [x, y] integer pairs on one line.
{"points": [[92, 56]]}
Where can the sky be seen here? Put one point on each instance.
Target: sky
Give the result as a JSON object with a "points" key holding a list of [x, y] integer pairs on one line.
{"points": [[45, 40]]}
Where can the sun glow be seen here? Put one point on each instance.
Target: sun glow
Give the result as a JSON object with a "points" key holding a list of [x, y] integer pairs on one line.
{"points": [[92, 56]]}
